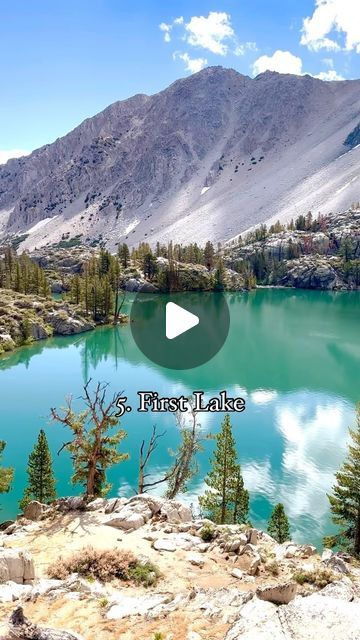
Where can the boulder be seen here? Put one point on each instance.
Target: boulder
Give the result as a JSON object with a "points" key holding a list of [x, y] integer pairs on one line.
{"points": [[73, 503], [11, 591], [127, 520], [96, 505], [115, 504], [337, 564], [164, 544], [152, 502], [249, 560], [176, 512], [252, 614], [313, 617], [123, 606], [16, 565], [35, 510], [278, 593], [340, 590], [64, 324], [252, 536]]}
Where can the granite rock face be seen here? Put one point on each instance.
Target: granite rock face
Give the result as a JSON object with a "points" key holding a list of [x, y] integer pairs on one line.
{"points": [[209, 155]]}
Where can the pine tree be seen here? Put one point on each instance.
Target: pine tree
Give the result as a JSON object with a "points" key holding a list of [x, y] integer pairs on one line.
{"points": [[209, 253], [219, 278], [224, 501], [41, 481], [241, 505], [6, 474], [345, 500], [278, 526]]}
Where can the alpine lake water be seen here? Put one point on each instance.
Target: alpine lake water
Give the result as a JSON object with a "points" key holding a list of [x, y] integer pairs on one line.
{"points": [[293, 355]]}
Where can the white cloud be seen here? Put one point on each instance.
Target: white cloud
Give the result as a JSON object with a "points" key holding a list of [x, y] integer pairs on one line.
{"points": [[241, 49], [281, 61], [213, 33], [191, 64], [329, 75], [166, 29], [210, 33], [12, 153], [329, 19]]}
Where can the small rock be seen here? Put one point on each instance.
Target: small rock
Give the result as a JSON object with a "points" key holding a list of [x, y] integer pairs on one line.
{"points": [[237, 573], [196, 560]]}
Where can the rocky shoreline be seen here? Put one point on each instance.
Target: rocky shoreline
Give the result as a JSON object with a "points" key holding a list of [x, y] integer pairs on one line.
{"points": [[26, 319], [215, 582]]}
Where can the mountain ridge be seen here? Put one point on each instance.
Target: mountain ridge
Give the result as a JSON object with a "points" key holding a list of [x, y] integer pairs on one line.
{"points": [[217, 151]]}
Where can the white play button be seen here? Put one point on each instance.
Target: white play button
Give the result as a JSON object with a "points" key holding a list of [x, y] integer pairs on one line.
{"points": [[178, 320]]}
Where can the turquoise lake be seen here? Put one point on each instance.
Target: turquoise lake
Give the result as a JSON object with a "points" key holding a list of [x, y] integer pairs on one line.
{"points": [[293, 355]]}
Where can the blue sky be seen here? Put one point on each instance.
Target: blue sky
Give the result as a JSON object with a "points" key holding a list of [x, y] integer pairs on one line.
{"points": [[62, 61]]}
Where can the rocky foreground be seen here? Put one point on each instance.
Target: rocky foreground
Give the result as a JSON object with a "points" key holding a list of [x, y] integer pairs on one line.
{"points": [[207, 582]]}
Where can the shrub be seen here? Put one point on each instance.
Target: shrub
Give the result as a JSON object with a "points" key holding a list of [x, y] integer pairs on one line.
{"points": [[273, 567], [319, 577], [103, 602], [207, 533], [145, 573], [105, 565]]}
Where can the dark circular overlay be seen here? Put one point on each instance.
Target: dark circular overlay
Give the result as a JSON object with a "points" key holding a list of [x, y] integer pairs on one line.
{"points": [[190, 349]]}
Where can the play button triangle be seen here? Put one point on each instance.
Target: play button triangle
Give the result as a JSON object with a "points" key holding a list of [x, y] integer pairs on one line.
{"points": [[178, 320]]}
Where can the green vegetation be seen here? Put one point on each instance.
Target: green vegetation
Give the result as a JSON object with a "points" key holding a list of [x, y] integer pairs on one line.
{"points": [[207, 533], [22, 275], [319, 578], [93, 447], [226, 501], [345, 499], [41, 481], [278, 526]]}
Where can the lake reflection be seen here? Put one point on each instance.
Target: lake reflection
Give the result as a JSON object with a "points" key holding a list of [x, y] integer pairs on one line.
{"points": [[293, 355]]}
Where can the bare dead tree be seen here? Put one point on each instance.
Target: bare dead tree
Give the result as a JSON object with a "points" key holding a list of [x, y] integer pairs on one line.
{"points": [[185, 465], [145, 455]]}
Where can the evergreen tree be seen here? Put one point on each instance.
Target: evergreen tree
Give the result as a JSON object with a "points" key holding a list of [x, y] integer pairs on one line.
{"points": [[345, 500], [209, 253], [219, 278], [124, 255], [278, 526], [41, 481], [225, 501], [6, 474], [241, 505]]}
